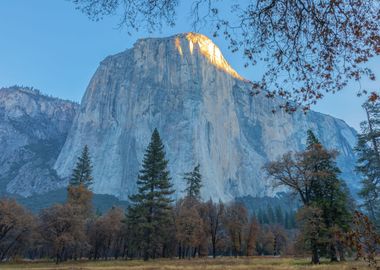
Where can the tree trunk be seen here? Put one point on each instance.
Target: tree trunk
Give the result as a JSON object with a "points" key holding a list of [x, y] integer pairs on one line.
{"points": [[195, 252], [315, 257], [333, 257], [57, 258], [341, 253], [183, 252], [315, 254], [179, 251], [146, 255], [213, 248]]}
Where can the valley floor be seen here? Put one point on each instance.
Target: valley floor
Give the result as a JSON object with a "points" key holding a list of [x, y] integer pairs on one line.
{"points": [[226, 263]]}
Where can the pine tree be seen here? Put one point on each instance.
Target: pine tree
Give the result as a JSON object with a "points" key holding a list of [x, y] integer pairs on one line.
{"points": [[311, 140], [79, 196], [265, 219], [194, 183], [329, 193], [279, 215], [150, 212], [292, 219], [82, 171], [287, 222], [271, 215], [368, 163], [259, 215]]}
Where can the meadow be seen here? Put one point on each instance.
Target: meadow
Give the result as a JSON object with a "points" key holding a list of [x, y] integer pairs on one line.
{"points": [[225, 263]]}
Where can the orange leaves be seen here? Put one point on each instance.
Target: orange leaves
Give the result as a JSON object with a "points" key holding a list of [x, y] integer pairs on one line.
{"points": [[364, 238]]}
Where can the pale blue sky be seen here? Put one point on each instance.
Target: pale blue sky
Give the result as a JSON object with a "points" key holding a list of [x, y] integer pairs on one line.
{"points": [[51, 46]]}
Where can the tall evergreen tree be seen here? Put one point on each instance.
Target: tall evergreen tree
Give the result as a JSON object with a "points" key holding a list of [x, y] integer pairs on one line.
{"points": [[271, 215], [279, 215], [82, 171], [150, 212], [311, 140], [368, 163], [79, 195], [193, 183], [287, 222], [329, 193], [260, 217], [263, 216]]}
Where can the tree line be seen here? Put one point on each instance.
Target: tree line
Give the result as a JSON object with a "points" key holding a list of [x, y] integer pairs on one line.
{"points": [[153, 226], [327, 224]]}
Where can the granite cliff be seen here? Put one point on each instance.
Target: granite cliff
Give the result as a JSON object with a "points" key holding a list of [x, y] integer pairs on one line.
{"points": [[183, 86], [33, 129]]}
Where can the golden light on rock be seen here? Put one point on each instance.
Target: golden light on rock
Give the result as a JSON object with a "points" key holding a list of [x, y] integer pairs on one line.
{"points": [[191, 46], [209, 50], [178, 45]]}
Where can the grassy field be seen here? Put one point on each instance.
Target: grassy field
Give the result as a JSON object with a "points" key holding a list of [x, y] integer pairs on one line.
{"points": [[264, 263]]}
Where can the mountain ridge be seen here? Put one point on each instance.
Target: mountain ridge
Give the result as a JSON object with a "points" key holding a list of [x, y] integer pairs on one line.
{"points": [[204, 115], [33, 128]]}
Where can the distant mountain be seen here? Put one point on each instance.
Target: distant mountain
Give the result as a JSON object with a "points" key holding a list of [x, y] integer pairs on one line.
{"points": [[183, 86], [33, 129]]}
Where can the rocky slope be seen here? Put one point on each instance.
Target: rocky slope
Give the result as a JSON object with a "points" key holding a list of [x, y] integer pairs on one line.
{"points": [[33, 129], [183, 86]]}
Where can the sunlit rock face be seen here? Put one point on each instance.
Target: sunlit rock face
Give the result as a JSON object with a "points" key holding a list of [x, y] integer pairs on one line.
{"points": [[209, 50], [183, 86], [33, 129]]}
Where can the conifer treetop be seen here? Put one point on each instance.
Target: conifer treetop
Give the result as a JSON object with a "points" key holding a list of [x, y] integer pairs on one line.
{"points": [[193, 183], [311, 140], [83, 170]]}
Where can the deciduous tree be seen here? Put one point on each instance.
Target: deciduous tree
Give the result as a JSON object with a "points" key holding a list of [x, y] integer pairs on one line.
{"points": [[212, 215], [16, 227], [64, 231], [252, 236], [313, 175], [106, 235], [189, 228], [364, 238], [235, 222]]}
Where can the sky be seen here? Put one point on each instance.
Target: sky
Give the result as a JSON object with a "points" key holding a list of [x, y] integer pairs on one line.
{"points": [[51, 46]]}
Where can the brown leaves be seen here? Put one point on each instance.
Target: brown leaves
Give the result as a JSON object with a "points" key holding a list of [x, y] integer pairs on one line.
{"points": [[80, 198], [62, 229], [364, 238], [135, 14], [373, 97], [106, 234], [235, 222], [16, 227], [307, 47], [189, 225]]}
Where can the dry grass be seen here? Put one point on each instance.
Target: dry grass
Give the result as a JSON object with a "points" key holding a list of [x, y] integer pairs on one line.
{"points": [[264, 263]]}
